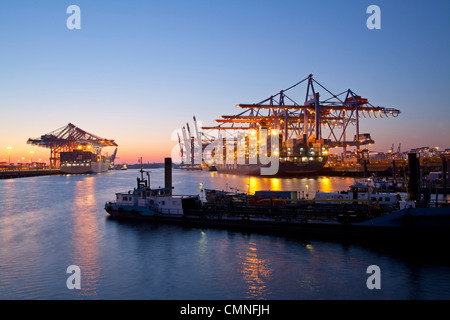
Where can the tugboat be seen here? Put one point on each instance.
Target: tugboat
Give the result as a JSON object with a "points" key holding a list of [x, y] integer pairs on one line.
{"points": [[146, 202]]}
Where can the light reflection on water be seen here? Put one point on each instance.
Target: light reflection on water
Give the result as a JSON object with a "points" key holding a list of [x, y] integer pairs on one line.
{"points": [[49, 223], [85, 234], [255, 273], [237, 183]]}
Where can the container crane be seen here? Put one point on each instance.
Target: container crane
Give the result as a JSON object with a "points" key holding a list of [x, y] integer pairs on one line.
{"points": [[69, 138], [321, 118]]}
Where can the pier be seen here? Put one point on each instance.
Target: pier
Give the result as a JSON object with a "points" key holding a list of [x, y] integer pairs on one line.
{"points": [[12, 174]]}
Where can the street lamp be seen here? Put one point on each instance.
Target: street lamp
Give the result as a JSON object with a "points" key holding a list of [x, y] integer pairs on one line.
{"points": [[9, 155]]}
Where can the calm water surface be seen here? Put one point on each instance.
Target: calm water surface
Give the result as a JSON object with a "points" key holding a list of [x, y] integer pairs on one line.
{"points": [[50, 223]]}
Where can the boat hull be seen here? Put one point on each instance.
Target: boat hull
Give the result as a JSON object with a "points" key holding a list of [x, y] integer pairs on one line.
{"points": [[139, 213]]}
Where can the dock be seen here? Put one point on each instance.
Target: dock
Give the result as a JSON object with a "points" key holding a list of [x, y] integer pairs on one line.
{"points": [[13, 174]]}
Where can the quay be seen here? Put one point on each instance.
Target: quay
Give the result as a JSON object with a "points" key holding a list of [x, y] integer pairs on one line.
{"points": [[13, 174], [355, 219]]}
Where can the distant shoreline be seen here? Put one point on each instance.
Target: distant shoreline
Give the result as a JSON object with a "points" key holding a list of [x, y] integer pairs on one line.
{"points": [[145, 165]]}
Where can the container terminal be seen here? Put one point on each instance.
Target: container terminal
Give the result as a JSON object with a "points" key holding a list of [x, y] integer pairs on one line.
{"points": [[74, 150], [305, 132]]}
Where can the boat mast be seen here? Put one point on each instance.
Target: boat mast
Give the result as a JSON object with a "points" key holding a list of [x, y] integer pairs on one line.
{"points": [[142, 170], [141, 183]]}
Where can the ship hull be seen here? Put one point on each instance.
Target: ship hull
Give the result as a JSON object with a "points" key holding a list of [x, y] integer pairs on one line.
{"points": [[284, 168], [75, 169], [79, 162], [98, 167], [80, 168]]}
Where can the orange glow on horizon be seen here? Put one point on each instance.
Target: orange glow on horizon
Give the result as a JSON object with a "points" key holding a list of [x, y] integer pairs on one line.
{"points": [[129, 153]]}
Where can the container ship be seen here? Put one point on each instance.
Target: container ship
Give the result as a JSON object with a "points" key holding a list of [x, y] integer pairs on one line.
{"points": [[307, 131], [295, 157], [79, 161]]}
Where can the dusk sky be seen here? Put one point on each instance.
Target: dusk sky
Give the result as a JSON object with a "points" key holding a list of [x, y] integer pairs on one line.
{"points": [[137, 71]]}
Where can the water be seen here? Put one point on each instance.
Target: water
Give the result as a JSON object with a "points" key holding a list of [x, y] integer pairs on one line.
{"points": [[50, 223]]}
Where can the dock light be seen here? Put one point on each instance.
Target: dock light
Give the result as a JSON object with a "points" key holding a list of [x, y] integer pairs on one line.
{"points": [[9, 155], [79, 147]]}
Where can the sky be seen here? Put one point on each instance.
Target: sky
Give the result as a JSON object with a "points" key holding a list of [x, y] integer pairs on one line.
{"points": [[137, 71]]}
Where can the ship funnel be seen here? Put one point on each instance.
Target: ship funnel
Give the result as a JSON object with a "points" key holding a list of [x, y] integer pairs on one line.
{"points": [[168, 174]]}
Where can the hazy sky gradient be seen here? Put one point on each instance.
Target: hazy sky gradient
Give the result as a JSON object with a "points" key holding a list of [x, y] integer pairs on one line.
{"points": [[139, 70]]}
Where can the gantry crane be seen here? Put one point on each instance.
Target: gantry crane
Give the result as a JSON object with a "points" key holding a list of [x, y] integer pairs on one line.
{"points": [[69, 138], [324, 118]]}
